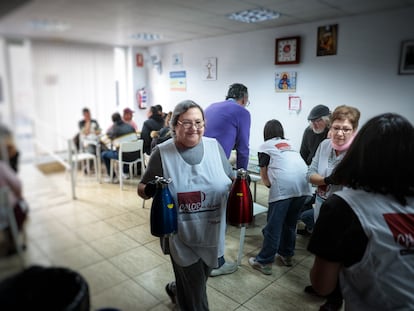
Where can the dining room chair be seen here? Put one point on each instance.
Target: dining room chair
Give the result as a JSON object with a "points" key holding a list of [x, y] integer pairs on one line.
{"points": [[130, 153], [83, 158]]}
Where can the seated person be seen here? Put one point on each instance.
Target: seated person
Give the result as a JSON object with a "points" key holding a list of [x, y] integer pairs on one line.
{"points": [[163, 134], [118, 129], [10, 153], [9, 179], [88, 130], [155, 122], [127, 117]]}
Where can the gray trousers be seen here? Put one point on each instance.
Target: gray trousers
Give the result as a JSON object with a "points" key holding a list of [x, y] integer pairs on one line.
{"points": [[191, 286]]}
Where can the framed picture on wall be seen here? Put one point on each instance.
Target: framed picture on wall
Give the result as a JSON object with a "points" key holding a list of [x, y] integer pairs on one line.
{"points": [[407, 58], [327, 40], [209, 68], [287, 51], [285, 81]]}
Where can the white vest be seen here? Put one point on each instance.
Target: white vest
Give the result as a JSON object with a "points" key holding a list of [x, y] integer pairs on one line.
{"points": [[286, 170], [384, 278], [327, 162], [200, 192]]}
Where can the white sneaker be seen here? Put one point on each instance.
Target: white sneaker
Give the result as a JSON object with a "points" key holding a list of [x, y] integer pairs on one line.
{"points": [[263, 268], [110, 180], [125, 176], [227, 268]]}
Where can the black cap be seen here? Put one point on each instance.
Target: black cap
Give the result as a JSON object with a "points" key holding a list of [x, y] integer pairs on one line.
{"points": [[318, 112]]}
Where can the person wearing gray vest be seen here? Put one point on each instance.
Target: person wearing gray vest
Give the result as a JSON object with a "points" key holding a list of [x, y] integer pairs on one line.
{"points": [[199, 186], [364, 233]]}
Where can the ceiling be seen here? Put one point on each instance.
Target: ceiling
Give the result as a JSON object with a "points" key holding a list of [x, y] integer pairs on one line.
{"points": [[113, 22]]}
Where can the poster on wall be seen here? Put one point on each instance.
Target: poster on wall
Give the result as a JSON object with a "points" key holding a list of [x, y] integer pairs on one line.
{"points": [[177, 59], [178, 81], [327, 40], [209, 68], [295, 103], [285, 81]]}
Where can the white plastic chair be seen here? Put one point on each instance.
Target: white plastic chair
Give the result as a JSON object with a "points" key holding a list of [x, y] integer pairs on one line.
{"points": [[82, 157], [132, 154]]}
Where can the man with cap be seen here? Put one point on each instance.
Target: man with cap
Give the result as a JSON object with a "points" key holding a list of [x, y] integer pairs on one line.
{"points": [[127, 117], [315, 133]]}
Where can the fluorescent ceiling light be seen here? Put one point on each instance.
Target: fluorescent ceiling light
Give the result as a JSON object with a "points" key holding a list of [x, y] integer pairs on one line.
{"points": [[49, 25], [146, 36], [254, 16]]}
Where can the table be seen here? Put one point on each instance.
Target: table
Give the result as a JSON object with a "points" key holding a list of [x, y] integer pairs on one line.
{"points": [[254, 178], [257, 209]]}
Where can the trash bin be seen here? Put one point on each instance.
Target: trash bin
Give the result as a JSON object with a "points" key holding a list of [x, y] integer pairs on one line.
{"points": [[45, 288]]}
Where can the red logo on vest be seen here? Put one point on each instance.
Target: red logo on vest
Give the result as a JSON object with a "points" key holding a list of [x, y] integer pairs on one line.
{"points": [[402, 228], [190, 201], [283, 146]]}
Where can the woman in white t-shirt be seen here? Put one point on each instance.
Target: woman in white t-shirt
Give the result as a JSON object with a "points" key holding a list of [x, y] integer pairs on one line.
{"points": [[283, 171]]}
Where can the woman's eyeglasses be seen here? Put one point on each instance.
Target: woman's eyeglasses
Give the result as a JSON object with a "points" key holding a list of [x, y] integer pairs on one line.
{"points": [[345, 130], [188, 124]]}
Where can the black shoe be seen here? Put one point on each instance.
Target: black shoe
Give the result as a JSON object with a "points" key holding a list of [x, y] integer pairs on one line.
{"points": [[13, 251], [303, 232], [311, 291], [331, 306], [170, 293]]}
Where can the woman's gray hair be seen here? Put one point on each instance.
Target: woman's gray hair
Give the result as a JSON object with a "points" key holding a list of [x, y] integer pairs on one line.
{"points": [[181, 108]]}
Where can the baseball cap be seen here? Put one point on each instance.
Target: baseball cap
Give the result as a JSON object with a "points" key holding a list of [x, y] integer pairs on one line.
{"points": [[128, 110], [318, 112]]}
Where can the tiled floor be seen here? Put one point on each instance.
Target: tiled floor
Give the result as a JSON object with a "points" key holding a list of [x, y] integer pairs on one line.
{"points": [[104, 235]]}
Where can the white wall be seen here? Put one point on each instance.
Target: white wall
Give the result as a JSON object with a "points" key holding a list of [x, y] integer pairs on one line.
{"points": [[5, 106], [68, 77], [362, 74], [22, 97]]}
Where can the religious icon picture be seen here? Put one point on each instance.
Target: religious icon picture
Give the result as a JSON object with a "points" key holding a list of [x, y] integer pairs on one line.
{"points": [[209, 68], [285, 81], [327, 40]]}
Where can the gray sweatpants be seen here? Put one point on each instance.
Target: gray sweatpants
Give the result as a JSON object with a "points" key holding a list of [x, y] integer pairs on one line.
{"points": [[191, 285]]}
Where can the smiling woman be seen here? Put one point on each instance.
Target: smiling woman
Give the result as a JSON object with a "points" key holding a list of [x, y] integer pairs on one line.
{"points": [[329, 154], [197, 180]]}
